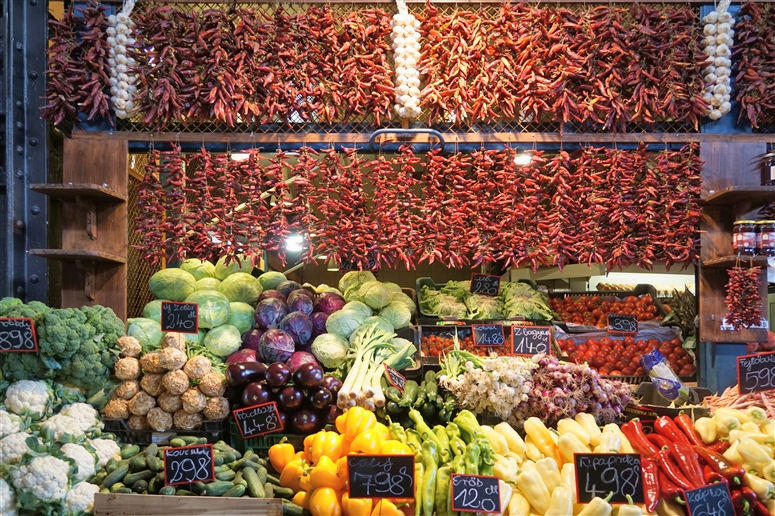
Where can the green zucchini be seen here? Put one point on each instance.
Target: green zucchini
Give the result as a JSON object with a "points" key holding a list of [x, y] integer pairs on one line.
{"points": [[235, 492], [115, 476], [140, 475], [167, 490], [255, 487], [137, 463], [130, 451], [217, 488]]}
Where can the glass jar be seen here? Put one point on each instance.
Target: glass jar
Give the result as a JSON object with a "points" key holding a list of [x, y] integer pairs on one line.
{"points": [[765, 236], [744, 237], [768, 169]]}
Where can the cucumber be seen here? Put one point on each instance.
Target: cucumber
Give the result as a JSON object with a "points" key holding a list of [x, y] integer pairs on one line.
{"points": [[190, 439], [223, 447], [104, 491], [152, 450], [140, 486], [155, 464], [273, 480], [283, 492], [112, 464], [146, 475], [228, 457], [115, 476], [156, 483], [255, 487], [123, 490], [269, 488], [236, 491], [184, 492], [291, 509], [115, 487], [217, 488], [130, 451], [177, 442], [226, 475], [99, 477], [167, 491], [137, 463], [262, 474], [198, 488]]}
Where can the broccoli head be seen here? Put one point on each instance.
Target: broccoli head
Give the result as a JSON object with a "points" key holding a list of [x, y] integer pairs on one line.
{"points": [[23, 366], [105, 323], [62, 332], [84, 370], [6, 303], [35, 311]]}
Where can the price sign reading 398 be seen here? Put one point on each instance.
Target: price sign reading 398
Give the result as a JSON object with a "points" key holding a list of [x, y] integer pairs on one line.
{"points": [[381, 476]]}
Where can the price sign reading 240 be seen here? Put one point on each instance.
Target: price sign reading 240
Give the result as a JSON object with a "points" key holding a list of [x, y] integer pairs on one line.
{"points": [[381, 476]]}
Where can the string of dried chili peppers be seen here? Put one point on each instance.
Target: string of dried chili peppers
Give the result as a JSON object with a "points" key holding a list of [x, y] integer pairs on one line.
{"points": [[744, 303]]}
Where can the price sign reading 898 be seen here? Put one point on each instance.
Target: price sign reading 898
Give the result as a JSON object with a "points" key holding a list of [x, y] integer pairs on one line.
{"points": [[189, 464], [598, 474], [381, 476]]}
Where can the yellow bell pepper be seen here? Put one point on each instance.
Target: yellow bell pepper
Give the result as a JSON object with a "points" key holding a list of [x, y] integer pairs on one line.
{"points": [[395, 448], [768, 471], [324, 474], [741, 416], [518, 506], [513, 440], [382, 431], [527, 465], [346, 445], [386, 508], [301, 455], [355, 421], [308, 440], [588, 423], [610, 442], [732, 455], [324, 502], [341, 468], [764, 489], [568, 474], [626, 446], [763, 439], [291, 474], [725, 422], [567, 425], [505, 468], [753, 452], [368, 442], [281, 454], [532, 486], [304, 483], [569, 444], [301, 499], [542, 438], [560, 503], [770, 504], [630, 509], [598, 507], [533, 453], [750, 427], [506, 492], [497, 441], [706, 427], [768, 428], [355, 506], [324, 443], [550, 473]]}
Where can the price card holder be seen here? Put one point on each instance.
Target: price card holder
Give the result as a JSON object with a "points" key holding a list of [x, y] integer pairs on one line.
{"points": [[485, 284], [488, 334], [711, 499], [621, 323], [258, 420], [598, 474], [474, 493], [395, 378], [17, 335], [531, 340], [189, 464], [756, 373], [347, 265], [381, 476], [180, 317]]}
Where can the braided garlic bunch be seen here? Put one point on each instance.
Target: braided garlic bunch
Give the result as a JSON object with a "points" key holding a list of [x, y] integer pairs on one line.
{"points": [[406, 45], [122, 79], [718, 43]]}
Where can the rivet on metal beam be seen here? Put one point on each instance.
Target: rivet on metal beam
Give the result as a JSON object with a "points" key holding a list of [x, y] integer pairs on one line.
{"points": [[19, 125], [33, 2], [19, 174], [19, 291], [19, 104], [34, 278], [19, 149], [19, 46], [35, 210], [33, 75], [20, 225], [33, 142]]}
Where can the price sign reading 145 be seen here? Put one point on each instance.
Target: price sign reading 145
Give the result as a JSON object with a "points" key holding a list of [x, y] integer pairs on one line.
{"points": [[189, 464], [485, 284], [756, 372], [381, 476]]}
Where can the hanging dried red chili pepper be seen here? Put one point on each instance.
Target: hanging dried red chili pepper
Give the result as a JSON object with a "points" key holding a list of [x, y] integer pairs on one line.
{"points": [[743, 300]]}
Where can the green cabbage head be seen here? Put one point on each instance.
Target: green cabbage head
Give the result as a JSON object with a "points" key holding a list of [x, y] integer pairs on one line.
{"points": [[397, 314], [344, 322], [198, 268], [330, 350], [243, 317], [223, 340], [172, 284], [214, 308], [241, 287], [241, 264], [375, 294]]}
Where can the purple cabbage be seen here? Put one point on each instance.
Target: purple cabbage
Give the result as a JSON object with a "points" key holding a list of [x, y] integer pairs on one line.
{"points": [[286, 287], [251, 339], [269, 294], [298, 325], [318, 324], [329, 302], [270, 312], [242, 355], [276, 346], [300, 358], [300, 301]]}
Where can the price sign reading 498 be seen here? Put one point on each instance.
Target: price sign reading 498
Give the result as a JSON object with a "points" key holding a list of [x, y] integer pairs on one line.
{"points": [[189, 464], [598, 474], [381, 476]]}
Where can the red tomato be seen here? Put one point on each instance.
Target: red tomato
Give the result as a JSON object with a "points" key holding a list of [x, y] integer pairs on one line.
{"points": [[628, 371], [641, 344], [582, 348], [629, 340], [647, 300], [631, 299], [616, 372]]}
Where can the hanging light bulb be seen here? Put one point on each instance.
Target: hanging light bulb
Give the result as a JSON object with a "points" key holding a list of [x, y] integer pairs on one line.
{"points": [[522, 159], [294, 243], [239, 156], [332, 266]]}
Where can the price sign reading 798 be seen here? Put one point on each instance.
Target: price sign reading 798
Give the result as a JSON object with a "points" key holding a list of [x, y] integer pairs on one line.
{"points": [[381, 476]]}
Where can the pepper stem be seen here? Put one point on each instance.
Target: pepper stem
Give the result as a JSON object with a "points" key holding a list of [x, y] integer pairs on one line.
{"points": [[608, 498], [629, 499]]}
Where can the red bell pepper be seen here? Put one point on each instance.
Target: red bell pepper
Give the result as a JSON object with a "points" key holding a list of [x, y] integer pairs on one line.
{"points": [[650, 476], [672, 471], [728, 469], [664, 425], [740, 503], [686, 458], [633, 431], [686, 425]]}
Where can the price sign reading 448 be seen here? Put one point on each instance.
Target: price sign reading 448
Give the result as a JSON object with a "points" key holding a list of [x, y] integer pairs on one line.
{"points": [[258, 420], [381, 476], [598, 474], [189, 464]]}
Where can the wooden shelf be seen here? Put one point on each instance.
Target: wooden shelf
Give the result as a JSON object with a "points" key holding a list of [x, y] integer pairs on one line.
{"points": [[71, 255], [735, 194], [70, 192], [730, 261]]}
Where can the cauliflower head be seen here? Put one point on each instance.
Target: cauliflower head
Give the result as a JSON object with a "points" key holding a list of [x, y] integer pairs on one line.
{"points": [[28, 397], [84, 460], [106, 450], [84, 415], [46, 477], [81, 497], [7, 499], [9, 424], [13, 447], [58, 426]]}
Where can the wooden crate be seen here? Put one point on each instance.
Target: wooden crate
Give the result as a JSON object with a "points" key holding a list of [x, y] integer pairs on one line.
{"points": [[152, 505]]}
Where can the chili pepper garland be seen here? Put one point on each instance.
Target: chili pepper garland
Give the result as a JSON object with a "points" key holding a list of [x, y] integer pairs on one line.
{"points": [[744, 303], [754, 63]]}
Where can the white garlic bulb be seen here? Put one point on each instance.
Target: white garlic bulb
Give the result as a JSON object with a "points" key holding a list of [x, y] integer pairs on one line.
{"points": [[712, 17], [406, 48], [709, 29], [725, 108], [119, 34]]}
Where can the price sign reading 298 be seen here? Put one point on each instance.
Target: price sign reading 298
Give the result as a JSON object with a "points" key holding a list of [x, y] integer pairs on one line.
{"points": [[381, 476]]}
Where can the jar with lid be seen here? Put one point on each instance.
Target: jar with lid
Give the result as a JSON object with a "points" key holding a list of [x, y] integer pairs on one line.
{"points": [[765, 237], [744, 237], [768, 169]]}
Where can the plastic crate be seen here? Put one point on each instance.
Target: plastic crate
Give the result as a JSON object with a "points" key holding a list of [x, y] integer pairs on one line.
{"points": [[261, 444], [214, 431]]}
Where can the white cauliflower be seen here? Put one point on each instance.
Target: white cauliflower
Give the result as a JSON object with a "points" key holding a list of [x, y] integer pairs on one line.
{"points": [[84, 414], [106, 450], [59, 425], [84, 460], [7, 499], [47, 478], [81, 497], [9, 424], [13, 447], [27, 397]]}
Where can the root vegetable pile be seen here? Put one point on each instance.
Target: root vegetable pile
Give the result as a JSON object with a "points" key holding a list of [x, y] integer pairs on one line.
{"points": [[744, 303]]}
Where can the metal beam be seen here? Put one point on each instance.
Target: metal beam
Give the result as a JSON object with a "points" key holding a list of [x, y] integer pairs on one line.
{"points": [[24, 35]]}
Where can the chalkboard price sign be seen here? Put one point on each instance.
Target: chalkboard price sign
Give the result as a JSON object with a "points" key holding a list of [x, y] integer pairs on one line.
{"points": [[756, 372], [531, 340], [710, 500], [621, 323], [258, 420], [395, 378], [485, 284], [352, 265], [189, 464], [381, 476], [488, 335], [17, 336], [180, 317], [473, 493], [598, 474]]}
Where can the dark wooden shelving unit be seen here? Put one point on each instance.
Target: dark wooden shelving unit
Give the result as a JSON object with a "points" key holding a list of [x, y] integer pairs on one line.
{"points": [[71, 255], [72, 192], [737, 194], [726, 262]]}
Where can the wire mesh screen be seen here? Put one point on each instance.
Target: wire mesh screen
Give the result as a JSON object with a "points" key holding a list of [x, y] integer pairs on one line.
{"points": [[139, 271], [366, 123]]}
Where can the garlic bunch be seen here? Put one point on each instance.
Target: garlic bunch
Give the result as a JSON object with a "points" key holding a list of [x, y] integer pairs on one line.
{"points": [[122, 78], [406, 45], [717, 45]]}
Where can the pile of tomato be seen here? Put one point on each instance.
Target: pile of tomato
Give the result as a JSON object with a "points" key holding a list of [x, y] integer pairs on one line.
{"points": [[436, 344], [593, 310], [617, 357]]}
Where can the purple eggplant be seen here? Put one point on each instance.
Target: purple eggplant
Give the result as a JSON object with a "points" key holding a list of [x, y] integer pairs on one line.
{"points": [[256, 393], [305, 422], [332, 383], [242, 373], [320, 398], [278, 374], [290, 398], [308, 375], [285, 421], [330, 414]]}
